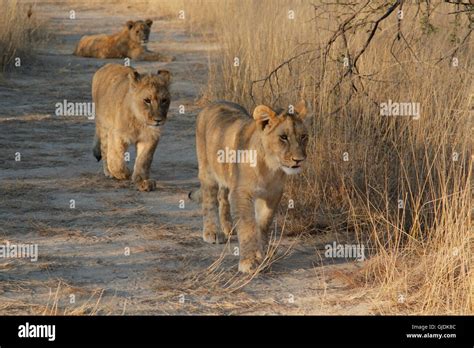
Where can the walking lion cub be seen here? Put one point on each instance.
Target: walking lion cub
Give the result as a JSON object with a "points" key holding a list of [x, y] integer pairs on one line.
{"points": [[243, 163], [130, 109]]}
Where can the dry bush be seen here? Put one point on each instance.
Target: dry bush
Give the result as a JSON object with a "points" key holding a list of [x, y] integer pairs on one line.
{"points": [[20, 31], [399, 185]]}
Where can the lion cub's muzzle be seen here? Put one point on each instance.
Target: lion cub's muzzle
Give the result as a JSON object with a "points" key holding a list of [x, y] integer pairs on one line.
{"points": [[297, 162], [294, 166], [158, 121]]}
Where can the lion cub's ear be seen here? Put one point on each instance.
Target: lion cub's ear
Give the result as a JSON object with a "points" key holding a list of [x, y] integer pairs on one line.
{"points": [[301, 109], [304, 112], [148, 22], [263, 115], [134, 77], [165, 76], [130, 24]]}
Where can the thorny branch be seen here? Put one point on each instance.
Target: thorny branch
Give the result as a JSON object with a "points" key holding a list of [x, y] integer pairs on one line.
{"points": [[353, 21]]}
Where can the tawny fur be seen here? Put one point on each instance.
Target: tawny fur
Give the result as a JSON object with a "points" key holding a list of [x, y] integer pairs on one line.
{"points": [[240, 193], [130, 109], [129, 42]]}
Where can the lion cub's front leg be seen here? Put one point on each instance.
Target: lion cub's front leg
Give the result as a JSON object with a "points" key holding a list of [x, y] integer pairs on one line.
{"points": [[156, 57], [116, 148], [265, 209], [141, 171], [243, 213], [146, 55]]}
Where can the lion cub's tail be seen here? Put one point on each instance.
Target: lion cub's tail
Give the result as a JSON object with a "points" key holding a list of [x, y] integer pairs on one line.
{"points": [[96, 148], [195, 196]]}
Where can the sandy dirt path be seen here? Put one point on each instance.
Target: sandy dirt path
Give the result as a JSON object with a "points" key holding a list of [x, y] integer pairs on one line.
{"points": [[83, 265]]}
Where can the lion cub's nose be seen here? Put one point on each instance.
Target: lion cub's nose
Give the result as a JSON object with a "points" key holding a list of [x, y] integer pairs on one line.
{"points": [[298, 159], [159, 121]]}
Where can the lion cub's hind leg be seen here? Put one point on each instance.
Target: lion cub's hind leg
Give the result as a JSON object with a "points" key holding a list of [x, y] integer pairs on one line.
{"points": [[211, 231], [224, 213], [102, 138], [100, 149]]}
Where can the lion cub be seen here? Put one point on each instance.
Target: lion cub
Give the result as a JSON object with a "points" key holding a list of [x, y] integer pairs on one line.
{"points": [[129, 42], [243, 163], [130, 109]]}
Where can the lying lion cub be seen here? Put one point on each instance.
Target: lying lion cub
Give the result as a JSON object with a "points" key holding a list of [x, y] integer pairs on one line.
{"points": [[130, 42], [130, 109], [244, 162]]}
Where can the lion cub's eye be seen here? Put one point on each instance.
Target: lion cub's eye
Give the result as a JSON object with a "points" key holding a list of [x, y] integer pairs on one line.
{"points": [[147, 100], [283, 137], [165, 101]]}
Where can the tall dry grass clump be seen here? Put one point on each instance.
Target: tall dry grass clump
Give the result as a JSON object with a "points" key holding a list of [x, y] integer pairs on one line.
{"points": [[399, 184], [197, 16], [20, 31]]}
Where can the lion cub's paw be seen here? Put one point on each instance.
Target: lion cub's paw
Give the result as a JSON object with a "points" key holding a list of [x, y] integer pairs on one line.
{"points": [[121, 175], [248, 265], [221, 238], [107, 174], [146, 185], [168, 58], [209, 236]]}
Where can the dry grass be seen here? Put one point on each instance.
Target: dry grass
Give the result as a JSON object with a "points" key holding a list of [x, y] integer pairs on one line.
{"points": [[63, 299], [421, 251], [20, 32], [218, 278], [197, 16]]}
